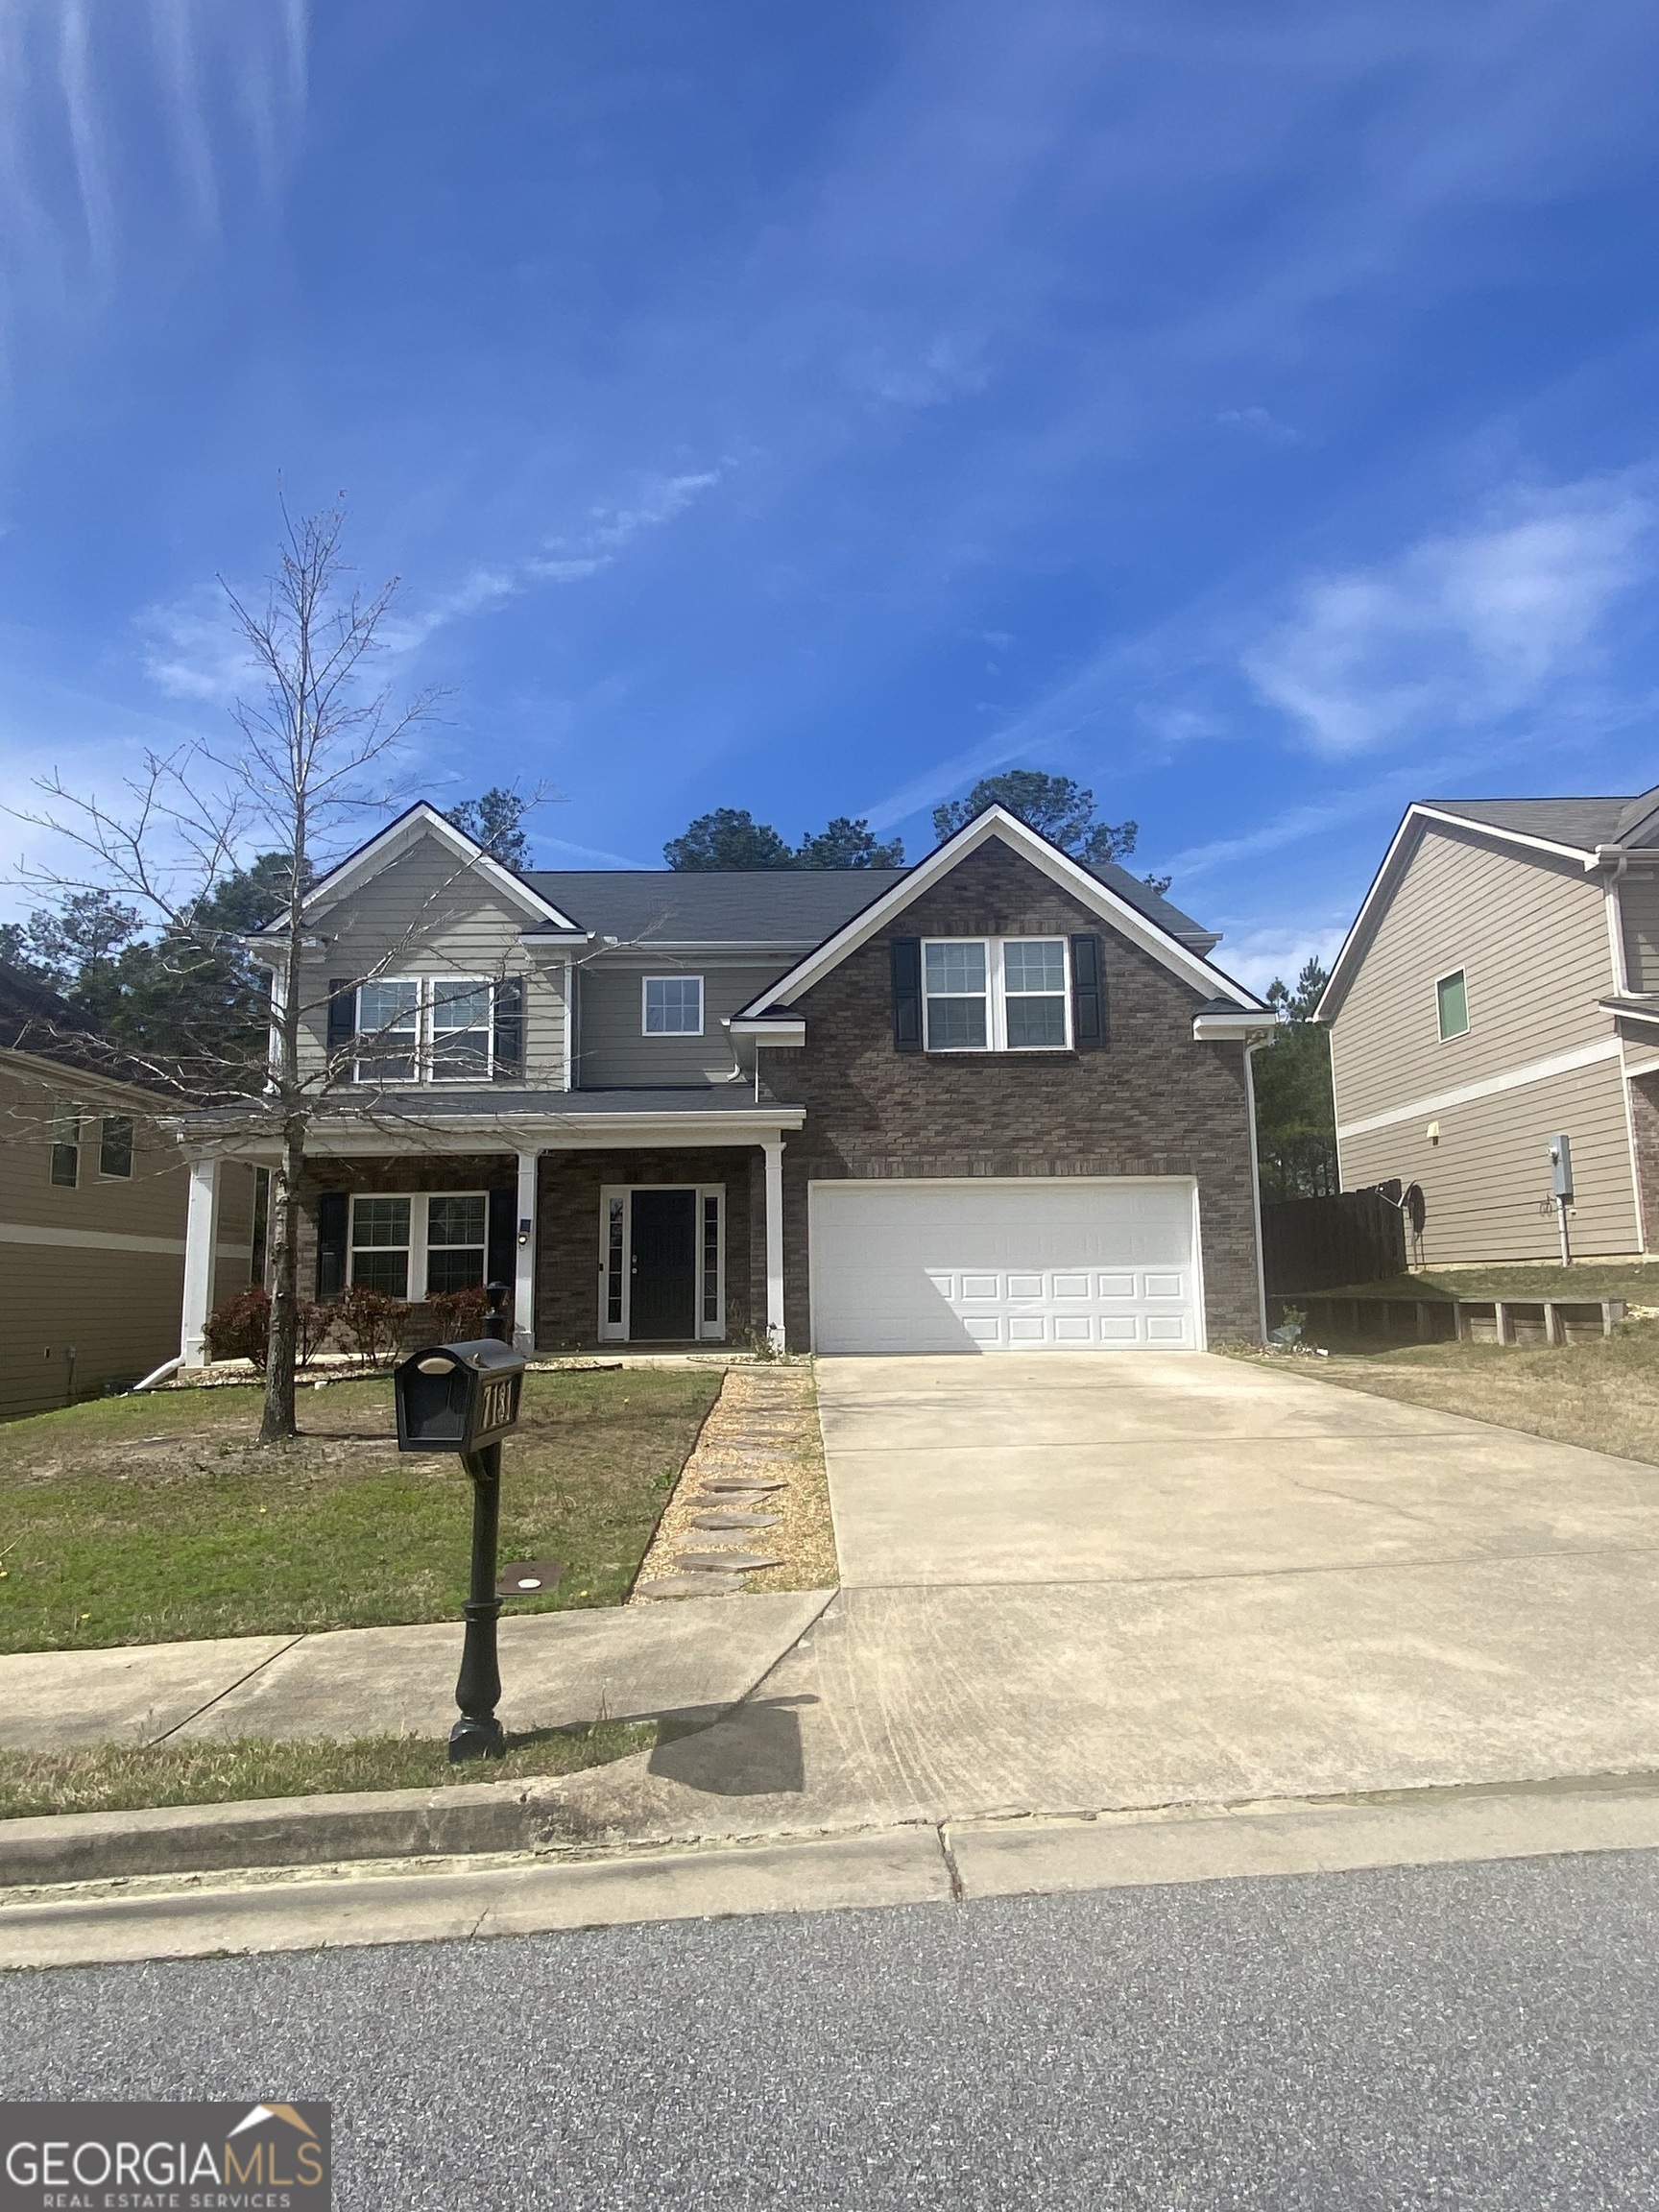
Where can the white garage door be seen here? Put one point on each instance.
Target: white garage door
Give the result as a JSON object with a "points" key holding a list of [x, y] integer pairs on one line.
{"points": [[1027, 1266]]}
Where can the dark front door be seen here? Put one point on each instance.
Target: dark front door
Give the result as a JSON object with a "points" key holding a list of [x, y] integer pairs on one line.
{"points": [[663, 1302]]}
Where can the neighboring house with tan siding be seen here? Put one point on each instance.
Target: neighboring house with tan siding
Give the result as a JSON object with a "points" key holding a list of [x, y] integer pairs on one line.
{"points": [[1501, 986], [92, 1214]]}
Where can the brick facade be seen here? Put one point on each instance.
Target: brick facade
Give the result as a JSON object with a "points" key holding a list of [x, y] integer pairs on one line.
{"points": [[567, 1256], [1151, 1102], [408, 1171]]}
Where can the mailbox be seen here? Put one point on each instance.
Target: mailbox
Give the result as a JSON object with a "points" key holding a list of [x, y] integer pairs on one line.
{"points": [[458, 1397]]}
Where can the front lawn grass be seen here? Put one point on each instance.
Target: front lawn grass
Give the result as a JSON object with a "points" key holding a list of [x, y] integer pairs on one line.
{"points": [[151, 1520], [1603, 1394], [119, 1777]]}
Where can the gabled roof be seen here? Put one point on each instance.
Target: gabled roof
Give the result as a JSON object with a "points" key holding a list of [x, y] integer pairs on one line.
{"points": [[423, 819], [1580, 829], [1082, 884], [777, 909]]}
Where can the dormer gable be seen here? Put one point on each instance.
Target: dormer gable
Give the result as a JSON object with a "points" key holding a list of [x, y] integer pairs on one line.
{"points": [[1217, 990]]}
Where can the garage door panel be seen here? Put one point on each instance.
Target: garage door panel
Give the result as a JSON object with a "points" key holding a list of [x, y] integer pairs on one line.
{"points": [[1003, 1266]]}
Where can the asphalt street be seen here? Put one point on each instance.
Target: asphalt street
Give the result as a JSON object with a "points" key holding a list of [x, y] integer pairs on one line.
{"points": [[1474, 2036]]}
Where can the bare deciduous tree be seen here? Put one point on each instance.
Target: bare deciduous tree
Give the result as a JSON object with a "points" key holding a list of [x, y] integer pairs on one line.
{"points": [[307, 742]]}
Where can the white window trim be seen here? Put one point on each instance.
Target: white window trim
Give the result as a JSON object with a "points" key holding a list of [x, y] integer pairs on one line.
{"points": [[426, 1034], [997, 995], [645, 983], [1450, 1036], [419, 1246], [618, 1331]]}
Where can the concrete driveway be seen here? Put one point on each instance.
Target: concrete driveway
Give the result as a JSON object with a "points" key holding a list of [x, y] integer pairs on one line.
{"points": [[1166, 1466], [1100, 1583]]}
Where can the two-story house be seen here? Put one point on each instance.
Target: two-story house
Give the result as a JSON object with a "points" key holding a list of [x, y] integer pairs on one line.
{"points": [[996, 1101], [1500, 988], [92, 1207]]}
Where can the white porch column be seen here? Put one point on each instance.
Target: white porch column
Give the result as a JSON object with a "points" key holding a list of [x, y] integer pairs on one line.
{"points": [[201, 1248], [524, 1257], [774, 1150]]}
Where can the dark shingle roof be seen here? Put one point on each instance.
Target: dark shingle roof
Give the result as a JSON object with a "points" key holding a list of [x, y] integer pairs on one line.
{"points": [[780, 907], [772, 906], [1581, 823]]}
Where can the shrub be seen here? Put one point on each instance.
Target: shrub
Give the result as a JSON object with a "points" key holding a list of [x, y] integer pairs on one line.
{"points": [[314, 1322], [239, 1328], [458, 1315], [370, 1323]]}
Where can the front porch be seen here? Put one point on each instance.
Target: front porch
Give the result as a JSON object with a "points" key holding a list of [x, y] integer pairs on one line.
{"points": [[647, 1220]]}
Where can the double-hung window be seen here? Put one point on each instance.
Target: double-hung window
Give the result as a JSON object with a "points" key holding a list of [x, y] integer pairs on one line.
{"points": [[997, 993], [425, 1029], [388, 1031], [420, 1244], [673, 1007]]}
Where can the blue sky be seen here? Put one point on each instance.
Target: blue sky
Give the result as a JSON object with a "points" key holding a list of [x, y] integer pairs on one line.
{"points": [[1250, 412]]}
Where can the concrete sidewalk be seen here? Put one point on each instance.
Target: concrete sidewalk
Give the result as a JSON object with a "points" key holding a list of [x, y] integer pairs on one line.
{"points": [[559, 1669]]}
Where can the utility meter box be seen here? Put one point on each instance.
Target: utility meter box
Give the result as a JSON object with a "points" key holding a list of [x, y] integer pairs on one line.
{"points": [[1561, 1168], [458, 1397]]}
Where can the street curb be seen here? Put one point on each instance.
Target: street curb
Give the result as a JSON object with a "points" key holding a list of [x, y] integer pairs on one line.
{"points": [[460, 1820], [972, 1862]]}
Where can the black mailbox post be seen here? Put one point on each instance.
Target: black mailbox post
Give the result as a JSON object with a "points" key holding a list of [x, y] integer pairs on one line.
{"points": [[464, 1398]]}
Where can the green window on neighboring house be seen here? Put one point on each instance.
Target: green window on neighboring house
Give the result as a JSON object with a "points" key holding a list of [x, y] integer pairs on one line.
{"points": [[1454, 996]]}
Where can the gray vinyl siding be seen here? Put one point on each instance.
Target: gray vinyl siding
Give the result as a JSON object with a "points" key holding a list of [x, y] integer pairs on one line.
{"points": [[427, 913], [1531, 939], [1639, 909], [1488, 1182], [612, 1051], [117, 1307]]}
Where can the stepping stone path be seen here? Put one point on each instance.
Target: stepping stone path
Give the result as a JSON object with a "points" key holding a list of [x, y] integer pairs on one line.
{"points": [[742, 1460]]}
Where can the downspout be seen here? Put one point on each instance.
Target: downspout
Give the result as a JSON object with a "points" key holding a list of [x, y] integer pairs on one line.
{"points": [[1250, 1051]]}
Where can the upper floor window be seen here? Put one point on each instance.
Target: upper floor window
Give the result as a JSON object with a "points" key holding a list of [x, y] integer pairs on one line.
{"points": [[996, 993], [425, 1029], [1451, 994], [673, 1007], [66, 1147], [116, 1146]]}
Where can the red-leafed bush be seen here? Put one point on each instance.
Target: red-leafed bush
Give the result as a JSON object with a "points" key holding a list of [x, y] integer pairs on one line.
{"points": [[239, 1328], [458, 1315], [369, 1323]]}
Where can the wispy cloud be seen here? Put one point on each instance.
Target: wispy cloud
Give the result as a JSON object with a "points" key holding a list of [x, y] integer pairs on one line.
{"points": [[1466, 629], [122, 130], [1258, 957], [191, 649]]}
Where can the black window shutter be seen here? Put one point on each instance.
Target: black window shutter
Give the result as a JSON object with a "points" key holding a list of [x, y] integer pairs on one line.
{"points": [[333, 1215], [1088, 992], [510, 1029], [907, 994], [500, 1252], [342, 1015]]}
